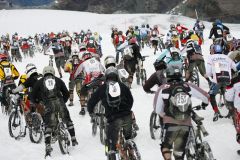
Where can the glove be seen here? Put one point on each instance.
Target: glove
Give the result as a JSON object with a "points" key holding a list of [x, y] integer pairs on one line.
{"points": [[209, 83], [204, 105], [209, 37], [143, 59], [238, 137]]}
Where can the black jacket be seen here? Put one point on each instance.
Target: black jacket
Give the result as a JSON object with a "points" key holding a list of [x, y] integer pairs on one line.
{"points": [[38, 93], [111, 114], [217, 31]]}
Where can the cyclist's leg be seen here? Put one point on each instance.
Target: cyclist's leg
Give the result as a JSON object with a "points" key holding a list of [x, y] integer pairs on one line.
{"points": [[180, 143], [189, 70], [214, 88], [127, 123], [71, 89]]}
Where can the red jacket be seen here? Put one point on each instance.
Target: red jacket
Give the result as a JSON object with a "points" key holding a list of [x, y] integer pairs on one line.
{"points": [[180, 29], [119, 39]]}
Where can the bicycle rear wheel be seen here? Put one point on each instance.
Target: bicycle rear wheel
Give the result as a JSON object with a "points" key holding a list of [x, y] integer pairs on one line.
{"points": [[63, 139], [14, 124], [35, 130], [155, 126], [195, 77]]}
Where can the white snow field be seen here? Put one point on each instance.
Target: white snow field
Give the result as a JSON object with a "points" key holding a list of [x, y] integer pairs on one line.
{"points": [[28, 22]]}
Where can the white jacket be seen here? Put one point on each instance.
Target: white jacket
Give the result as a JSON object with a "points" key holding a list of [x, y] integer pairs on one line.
{"points": [[217, 63]]}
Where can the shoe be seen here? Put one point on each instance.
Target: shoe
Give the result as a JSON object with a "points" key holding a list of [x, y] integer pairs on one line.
{"points": [[216, 116], [60, 74], [82, 112], [135, 126], [71, 103], [74, 141], [48, 150], [238, 152]]}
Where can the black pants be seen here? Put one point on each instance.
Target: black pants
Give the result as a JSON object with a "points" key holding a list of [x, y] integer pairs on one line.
{"points": [[51, 108], [4, 92], [113, 128], [177, 135]]}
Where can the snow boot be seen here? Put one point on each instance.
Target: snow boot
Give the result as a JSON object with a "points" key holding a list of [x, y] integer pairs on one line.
{"points": [[82, 112]]}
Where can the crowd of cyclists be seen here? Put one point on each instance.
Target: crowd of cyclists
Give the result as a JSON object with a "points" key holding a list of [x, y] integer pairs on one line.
{"points": [[178, 64]]}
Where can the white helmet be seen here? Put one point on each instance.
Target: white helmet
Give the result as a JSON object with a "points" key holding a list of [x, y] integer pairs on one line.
{"points": [[75, 52], [48, 70], [30, 69], [109, 60]]}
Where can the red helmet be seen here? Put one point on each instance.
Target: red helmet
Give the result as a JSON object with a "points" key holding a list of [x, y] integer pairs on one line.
{"points": [[86, 56], [3, 56]]}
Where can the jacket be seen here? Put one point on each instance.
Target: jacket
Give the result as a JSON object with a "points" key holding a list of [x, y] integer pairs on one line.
{"points": [[38, 93], [112, 114], [8, 69]]}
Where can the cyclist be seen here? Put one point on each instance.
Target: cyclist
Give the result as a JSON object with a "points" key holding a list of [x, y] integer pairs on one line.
{"points": [[176, 120], [233, 101], [53, 93], [8, 73], [117, 101], [219, 67], [71, 66]]}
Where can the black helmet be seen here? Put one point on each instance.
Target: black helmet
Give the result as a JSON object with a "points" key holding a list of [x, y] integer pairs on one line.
{"points": [[174, 72], [159, 65], [112, 74]]}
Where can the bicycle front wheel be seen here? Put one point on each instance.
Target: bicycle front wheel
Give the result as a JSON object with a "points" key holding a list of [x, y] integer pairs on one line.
{"points": [[14, 124], [131, 150], [143, 76], [155, 126], [63, 139], [206, 151]]}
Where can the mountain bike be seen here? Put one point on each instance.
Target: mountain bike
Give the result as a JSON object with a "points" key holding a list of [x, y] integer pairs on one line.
{"points": [[155, 126], [126, 149], [196, 148], [141, 72], [96, 119], [161, 45], [32, 121], [60, 134], [194, 77]]}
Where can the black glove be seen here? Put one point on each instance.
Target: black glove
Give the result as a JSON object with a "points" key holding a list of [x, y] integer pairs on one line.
{"points": [[143, 58], [204, 105]]}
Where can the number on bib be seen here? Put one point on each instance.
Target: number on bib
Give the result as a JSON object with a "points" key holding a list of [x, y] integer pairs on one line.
{"points": [[50, 83], [7, 72]]}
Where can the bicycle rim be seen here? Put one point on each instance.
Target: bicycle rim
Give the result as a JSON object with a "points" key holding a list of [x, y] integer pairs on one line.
{"points": [[132, 151], [14, 124], [63, 139], [207, 152], [155, 127]]}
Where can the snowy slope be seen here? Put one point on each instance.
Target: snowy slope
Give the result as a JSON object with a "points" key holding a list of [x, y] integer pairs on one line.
{"points": [[28, 22]]}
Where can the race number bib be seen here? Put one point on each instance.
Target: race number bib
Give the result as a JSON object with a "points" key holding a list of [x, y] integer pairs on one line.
{"points": [[50, 83], [114, 89], [219, 31], [219, 67], [7, 71], [181, 99], [123, 73]]}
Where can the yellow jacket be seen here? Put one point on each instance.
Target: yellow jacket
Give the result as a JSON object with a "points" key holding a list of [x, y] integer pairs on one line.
{"points": [[7, 69], [23, 79]]}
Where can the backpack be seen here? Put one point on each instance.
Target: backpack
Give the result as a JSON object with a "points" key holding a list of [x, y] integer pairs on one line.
{"points": [[222, 75], [179, 103], [6, 68], [50, 88], [128, 53], [113, 94]]}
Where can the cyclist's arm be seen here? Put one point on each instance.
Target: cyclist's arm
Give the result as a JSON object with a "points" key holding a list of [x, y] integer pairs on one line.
{"points": [[152, 81], [95, 98], [199, 93], [15, 72], [64, 90], [230, 92], [158, 103]]}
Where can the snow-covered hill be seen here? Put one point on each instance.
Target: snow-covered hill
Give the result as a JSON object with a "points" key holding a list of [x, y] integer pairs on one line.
{"points": [[28, 22]]}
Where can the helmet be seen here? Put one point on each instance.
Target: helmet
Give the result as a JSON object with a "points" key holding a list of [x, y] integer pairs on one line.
{"points": [[190, 32], [115, 29], [112, 73], [143, 25], [75, 53], [197, 20], [95, 33], [155, 27], [159, 65], [130, 27], [120, 32], [178, 24], [86, 55], [48, 70], [109, 61], [218, 21], [172, 26], [136, 27], [147, 26], [133, 41], [82, 47], [30, 69], [173, 72], [168, 44], [3, 56], [175, 53], [218, 49]]}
